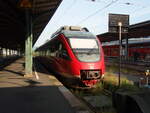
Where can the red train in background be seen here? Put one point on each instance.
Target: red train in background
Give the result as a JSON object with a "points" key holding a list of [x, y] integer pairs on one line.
{"points": [[142, 52], [75, 54]]}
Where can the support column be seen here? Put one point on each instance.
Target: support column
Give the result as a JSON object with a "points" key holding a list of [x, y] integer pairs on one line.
{"points": [[28, 56], [1, 51], [10, 52], [18, 52], [28, 46], [6, 52]]}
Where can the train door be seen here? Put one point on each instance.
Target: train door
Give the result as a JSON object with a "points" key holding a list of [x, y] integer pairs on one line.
{"points": [[64, 59]]}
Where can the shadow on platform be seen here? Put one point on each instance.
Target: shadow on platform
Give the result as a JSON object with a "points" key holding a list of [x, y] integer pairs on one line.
{"points": [[37, 99], [17, 73], [7, 61]]}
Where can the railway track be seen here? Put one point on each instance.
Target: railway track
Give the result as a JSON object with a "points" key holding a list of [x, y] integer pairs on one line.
{"points": [[98, 103]]}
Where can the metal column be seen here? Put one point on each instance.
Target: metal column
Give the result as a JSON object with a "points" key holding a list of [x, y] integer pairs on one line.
{"points": [[126, 47], [120, 52], [28, 46]]}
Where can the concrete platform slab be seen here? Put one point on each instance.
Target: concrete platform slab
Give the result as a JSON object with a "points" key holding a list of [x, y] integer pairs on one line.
{"points": [[21, 95]]}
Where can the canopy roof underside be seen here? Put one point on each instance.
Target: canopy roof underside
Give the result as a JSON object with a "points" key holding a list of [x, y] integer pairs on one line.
{"points": [[13, 20]]}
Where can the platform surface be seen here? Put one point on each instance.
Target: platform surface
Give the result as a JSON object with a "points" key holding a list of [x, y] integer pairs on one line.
{"points": [[24, 95]]}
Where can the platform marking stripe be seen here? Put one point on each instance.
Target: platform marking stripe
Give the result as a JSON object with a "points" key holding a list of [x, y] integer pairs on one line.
{"points": [[36, 75]]}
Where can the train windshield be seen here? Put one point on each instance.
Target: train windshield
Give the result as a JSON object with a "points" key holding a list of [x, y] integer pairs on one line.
{"points": [[85, 49]]}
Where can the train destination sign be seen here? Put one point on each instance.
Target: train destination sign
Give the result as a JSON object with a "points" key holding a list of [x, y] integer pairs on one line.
{"points": [[113, 22]]}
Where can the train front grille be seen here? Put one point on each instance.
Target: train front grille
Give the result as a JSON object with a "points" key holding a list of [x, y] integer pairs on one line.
{"points": [[90, 74]]}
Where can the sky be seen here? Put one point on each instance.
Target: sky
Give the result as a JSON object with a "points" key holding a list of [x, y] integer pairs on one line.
{"points": [[94, 15]]}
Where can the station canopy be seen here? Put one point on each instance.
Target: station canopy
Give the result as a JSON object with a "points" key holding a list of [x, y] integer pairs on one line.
{"points": [[135, 31], [13, 20]]}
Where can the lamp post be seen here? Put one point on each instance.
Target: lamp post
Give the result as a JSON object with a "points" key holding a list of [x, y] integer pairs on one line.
{"points": [[120, 51]]}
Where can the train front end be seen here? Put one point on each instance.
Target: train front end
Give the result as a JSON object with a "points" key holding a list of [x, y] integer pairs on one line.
{"points": [[87, 56]]}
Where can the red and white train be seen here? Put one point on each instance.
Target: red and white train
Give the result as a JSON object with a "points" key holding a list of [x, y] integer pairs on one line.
{"points": [[76, 55], [139, 49]]}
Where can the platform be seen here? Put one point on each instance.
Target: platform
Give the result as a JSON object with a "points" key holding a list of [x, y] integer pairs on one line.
{"points": [[42, 93]]}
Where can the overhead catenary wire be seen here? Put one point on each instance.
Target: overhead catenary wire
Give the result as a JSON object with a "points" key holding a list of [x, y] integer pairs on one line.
{"points": [[66, 11], [137, 5], [56, 21], [112, 2], [101, 9]]}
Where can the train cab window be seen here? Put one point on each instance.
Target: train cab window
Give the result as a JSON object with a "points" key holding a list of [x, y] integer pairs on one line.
{"points": [[85, 49], [58, 50], [63, 52]]}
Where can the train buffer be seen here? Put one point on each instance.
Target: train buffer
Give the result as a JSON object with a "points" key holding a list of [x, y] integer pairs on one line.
{"points": [[29, 95]]}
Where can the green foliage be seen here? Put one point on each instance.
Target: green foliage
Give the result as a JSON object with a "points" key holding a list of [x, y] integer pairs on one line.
{"points": [[128, 85], [110, 83]]}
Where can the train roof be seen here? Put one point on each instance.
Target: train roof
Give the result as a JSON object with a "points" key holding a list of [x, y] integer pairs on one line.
{"points": [[70, 32], [73, 31], [77, 34]]}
